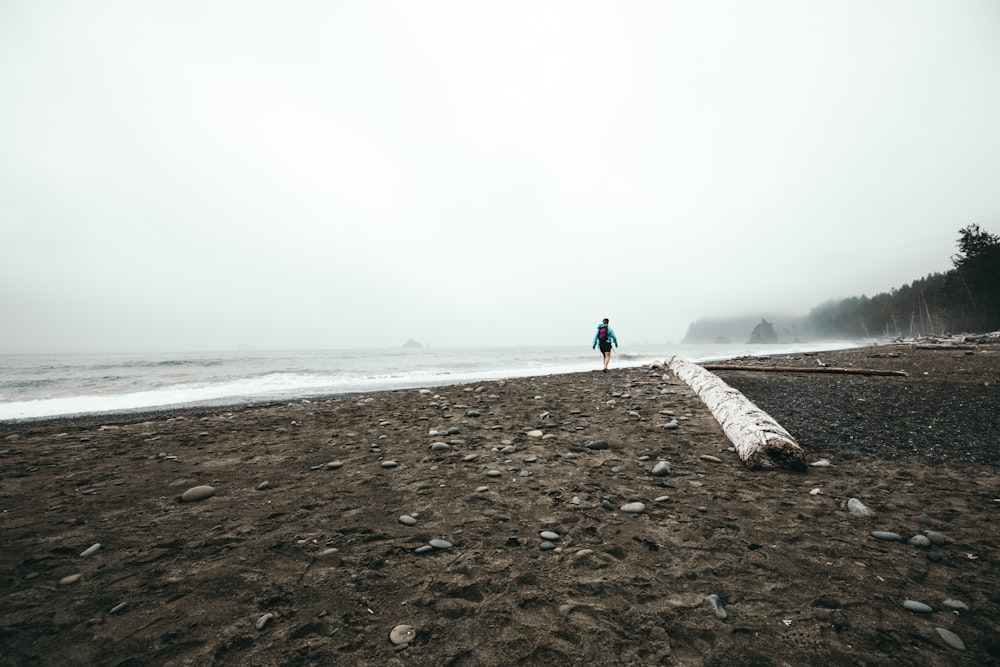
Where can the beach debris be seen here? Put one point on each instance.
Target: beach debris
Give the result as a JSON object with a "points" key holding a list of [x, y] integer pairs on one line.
{"points": [[805, 369], [91, 550], [196, 493], [760, 441], [263, 620]]}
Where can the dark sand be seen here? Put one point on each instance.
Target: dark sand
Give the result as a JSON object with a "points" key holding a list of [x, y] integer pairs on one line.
{"points": [[801, 578]]}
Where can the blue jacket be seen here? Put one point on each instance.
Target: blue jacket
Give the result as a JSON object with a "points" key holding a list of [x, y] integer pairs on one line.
{"points": [[611, 335]]}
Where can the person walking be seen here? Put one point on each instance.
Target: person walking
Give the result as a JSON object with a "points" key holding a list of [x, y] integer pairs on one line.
{"points": [[604, 337]]}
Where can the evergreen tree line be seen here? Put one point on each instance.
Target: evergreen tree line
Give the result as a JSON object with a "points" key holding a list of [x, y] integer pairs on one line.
{"points": [[965, 299]]}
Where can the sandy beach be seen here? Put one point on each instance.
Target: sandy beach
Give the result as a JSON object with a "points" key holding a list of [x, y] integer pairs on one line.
{"points": [[316, 541]]}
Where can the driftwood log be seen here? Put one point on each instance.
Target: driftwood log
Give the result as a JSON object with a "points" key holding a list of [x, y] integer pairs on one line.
{"points": [[759, 440], [803, 369]]}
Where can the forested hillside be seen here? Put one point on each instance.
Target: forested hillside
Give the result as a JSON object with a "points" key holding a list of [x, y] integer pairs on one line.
{"points": [[965, 299]]}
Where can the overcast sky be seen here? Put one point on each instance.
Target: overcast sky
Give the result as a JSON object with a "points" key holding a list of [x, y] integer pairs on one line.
{"points": [[205, 174]]}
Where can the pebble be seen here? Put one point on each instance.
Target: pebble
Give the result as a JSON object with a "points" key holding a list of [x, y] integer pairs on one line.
{"points": [[534, 433], [661, 469], [389, 464], [440, 446], [710, 458], [546, 546], [407, 520], [936, 538], [917, 607], [91, 550], [717, 607], [262, 486], [473, 413], [402, 634], [575, 500], [440, 544], [634, 508], [453, 430], [933, 556], [816, 491], [470, 457], [661, 499], [951, 639], [644, 458], [70, 579], [197, 493], [702, 509], [855, 506], [531, 459], [334, 465], [424, 549], [606, 504], [549, 535], [671, 425], [886, 536], [481, 489], [596, 444], [920, 541], [525, 473], [118, 608], [821, 463], [493, 473], [264, 620], [955, 605]]}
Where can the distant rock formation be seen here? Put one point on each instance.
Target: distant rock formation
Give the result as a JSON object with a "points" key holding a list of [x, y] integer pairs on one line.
{"points": [[410, 343], [763, 333]]}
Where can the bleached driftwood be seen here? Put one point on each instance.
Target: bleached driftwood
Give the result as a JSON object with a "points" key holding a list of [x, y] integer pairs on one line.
{"points": [[760, 441], [803, 369]]}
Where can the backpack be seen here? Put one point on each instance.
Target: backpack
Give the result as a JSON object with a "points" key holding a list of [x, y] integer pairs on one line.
{"points": [[602, 333]]}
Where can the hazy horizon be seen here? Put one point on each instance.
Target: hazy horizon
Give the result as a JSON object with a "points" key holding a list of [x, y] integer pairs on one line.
{"points": [[194, 177]]}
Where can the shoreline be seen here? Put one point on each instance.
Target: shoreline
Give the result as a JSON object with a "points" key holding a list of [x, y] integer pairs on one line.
{"points": [[132, 415]]}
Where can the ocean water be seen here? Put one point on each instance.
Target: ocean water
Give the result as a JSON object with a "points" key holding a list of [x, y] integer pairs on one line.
{"points": [[38, 386]]}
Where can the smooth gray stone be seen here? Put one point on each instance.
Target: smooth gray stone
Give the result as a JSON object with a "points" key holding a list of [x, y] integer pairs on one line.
{"points": [[263, 485], [509, 449], [197, 493], [923, 520], [606, 504], [91, 550], [661, 469], [917, 607], [702, 509], [493, 473], [886, 536], [120, 607], [334, 465], [634, 508], [821, 463], [933, 556], [671, 425], [661, 499], [531, 459], [525, 473], [440, 446], [717, 607], [643, 459], [855, 506], [920, 541], [473, 413], [264, 620], [454, 430], [440, 544], [407, 520], [939, 539], [549, 535], [546, 546], [951, 639], [424, 549], [596, 444], [956, 605], [389, 464]]}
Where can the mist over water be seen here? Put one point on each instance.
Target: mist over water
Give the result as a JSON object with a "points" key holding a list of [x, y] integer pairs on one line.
{"points": [[37, 386]]}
